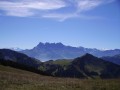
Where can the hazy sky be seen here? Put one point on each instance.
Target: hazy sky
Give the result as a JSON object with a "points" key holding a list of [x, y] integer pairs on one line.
{"points": [[87, 23]]}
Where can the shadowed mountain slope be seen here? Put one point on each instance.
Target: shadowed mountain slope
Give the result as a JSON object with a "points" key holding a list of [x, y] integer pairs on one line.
{"points": [[87, 66], [114, 59]]}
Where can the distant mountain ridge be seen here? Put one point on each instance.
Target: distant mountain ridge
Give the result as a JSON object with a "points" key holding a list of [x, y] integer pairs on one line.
{"points": [[15, 49], [53, 51], [114, 59]]}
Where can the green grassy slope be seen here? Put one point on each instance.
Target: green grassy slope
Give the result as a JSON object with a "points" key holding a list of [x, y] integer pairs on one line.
{"points": [[16, 79], [62, 62]]}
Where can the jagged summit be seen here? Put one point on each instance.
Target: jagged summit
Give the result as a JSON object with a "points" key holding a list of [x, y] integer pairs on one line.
{"points": [[47, 44]]}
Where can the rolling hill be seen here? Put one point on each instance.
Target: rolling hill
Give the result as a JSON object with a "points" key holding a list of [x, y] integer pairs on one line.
{"points": [[86, 66], [10, 55]]}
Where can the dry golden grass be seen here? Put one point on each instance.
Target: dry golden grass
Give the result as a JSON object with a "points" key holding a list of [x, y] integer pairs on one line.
{"points": [[15, 79]]}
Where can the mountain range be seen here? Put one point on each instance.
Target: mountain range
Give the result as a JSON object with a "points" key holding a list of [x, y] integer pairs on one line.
{"points": [[86, 66], [115, 59], [53, 51]]}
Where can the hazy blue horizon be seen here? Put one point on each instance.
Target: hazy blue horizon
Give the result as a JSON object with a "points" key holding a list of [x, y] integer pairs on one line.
{"points": [[56, 43], [86, 23]]}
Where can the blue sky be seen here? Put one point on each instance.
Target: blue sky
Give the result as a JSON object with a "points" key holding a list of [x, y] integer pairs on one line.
{"points": [[87, 23]]}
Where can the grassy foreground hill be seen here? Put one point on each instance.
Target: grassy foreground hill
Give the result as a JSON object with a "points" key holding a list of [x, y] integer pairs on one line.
{"points": [[16, 79]]}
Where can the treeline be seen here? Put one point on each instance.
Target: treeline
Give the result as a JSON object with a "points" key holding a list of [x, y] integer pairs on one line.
{"points": [[21, 66]]}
